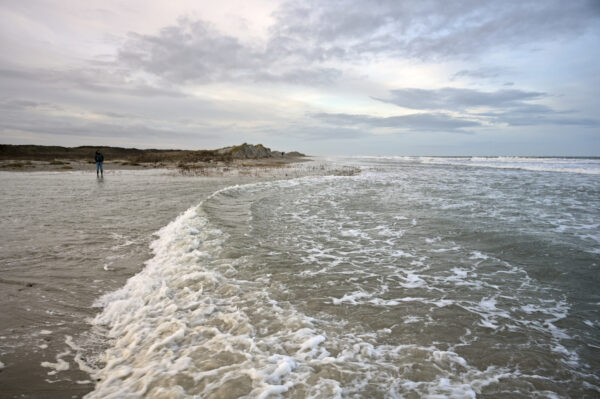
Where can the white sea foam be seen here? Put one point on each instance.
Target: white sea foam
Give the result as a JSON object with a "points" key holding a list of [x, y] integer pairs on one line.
{"points": [[566, 165], [181, 314], [478, 255], [439, 250], [412, 280], [59, 365], [352, 298]]}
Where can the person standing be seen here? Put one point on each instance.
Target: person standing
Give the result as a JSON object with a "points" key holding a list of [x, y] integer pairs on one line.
{"points": [[99, 158]]}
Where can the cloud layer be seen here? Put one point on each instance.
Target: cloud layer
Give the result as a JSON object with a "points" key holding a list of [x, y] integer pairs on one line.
{"points": [[311, 39], [449, 98], [321, 71], [427, 122]]}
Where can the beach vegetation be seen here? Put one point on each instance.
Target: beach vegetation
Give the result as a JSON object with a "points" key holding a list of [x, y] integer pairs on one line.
{"points": [[196, 162], [17, 165]]}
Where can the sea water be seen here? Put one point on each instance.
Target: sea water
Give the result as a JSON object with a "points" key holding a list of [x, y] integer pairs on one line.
{"points": [[417, 277], [66, 238]]}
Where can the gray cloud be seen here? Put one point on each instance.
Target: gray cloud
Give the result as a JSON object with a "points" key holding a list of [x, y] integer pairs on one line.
{"points": [[459, 99], [139, 92], [190, 50], [426, 29], [315, 77], [44, 119], [194, 51], [95, 79], [308, 40], [533, 117], [480, 73], [322, 133], [307, 36], [430, 122], [18, 104], [511, 107], [43, 124]]}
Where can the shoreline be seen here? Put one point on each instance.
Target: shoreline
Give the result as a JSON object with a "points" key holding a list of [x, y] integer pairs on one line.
{"points": [[69, 165], [275, 167]]}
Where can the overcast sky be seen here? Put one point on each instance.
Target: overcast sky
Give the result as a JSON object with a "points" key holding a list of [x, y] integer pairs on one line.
{"points": [[399, 77]]}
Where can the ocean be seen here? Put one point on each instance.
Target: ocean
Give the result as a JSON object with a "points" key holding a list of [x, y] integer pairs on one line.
{"points": [[415, 277]]}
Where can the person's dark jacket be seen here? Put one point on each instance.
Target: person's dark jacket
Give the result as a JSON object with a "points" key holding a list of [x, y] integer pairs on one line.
{"points": [[99, 157]]}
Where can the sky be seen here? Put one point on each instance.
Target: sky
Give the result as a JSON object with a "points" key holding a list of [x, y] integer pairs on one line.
{"points": [[335, 77]]}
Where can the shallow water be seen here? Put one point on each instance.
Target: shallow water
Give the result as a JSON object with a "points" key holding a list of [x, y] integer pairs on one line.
{"points": [[417, 278], [67, 238]]}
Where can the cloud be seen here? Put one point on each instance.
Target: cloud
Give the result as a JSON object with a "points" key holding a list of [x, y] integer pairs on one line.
{"points": [[188, 51], [310, 44], [426, 29], [479, 73], [68, 126], [309, 41], [18, 104], [71, 127], [315, 77], [92, 78], [510, 107], [539, 117], [194, 51], [449, 98], [430, 122], [191, 79], [313, 132], [44, 118]]}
